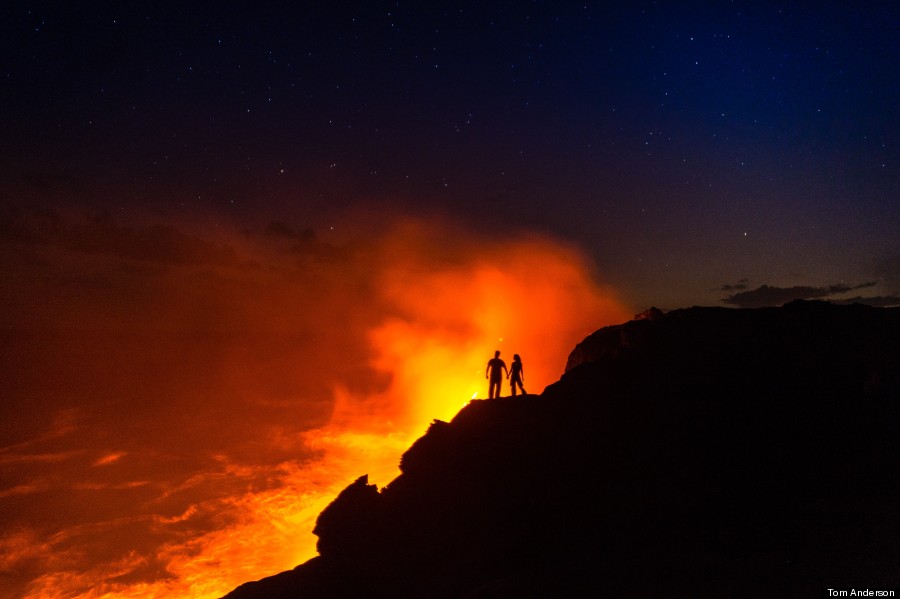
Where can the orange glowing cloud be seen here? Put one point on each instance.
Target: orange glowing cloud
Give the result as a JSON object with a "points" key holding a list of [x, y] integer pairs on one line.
{"points": [[530, 296], [110, 458], [243, 382]]}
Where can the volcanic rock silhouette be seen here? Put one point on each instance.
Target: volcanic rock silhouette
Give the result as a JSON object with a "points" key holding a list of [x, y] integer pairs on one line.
{"points": [[707, 452]]}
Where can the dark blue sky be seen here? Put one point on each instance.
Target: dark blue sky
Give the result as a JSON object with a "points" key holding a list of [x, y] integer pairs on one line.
{"points": [[697, 151]]}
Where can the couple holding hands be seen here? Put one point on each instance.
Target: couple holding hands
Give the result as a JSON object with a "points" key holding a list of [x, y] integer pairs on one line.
{"points": [[495, 369]]}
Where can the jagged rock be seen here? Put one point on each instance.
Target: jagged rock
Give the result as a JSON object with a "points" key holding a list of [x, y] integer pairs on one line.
{"points": [[344, 527], [652, 313], [709, 452]]}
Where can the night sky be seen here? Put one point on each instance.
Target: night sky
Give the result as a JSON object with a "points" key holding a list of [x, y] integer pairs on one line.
{"points": [[249, 252], [699, 152]]}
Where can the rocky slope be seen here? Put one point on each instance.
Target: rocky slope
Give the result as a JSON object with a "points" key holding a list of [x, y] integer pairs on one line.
{"points": [[704, 452]]}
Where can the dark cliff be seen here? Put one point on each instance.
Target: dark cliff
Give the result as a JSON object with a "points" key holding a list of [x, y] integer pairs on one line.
{"points": [[704, 452]]}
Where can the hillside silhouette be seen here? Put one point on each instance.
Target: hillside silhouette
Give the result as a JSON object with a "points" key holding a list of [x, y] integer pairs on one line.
{"points": [[705, 452]]}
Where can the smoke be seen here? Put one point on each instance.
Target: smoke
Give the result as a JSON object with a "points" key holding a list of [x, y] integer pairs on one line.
{"points": [[181, 405]]}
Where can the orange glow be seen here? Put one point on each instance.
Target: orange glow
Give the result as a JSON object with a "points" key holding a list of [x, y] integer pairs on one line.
{"points": [[297, 380], [110, 458], [530, 297]]}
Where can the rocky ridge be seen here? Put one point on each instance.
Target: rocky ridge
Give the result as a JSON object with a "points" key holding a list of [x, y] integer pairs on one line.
{"points": [[703, 452]]}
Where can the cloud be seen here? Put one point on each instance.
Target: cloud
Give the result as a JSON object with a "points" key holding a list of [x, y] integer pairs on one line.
{"points": [[110, 458], [878, 301], [26, 489], [206, 389], [739, 286], [10, 458], [280, 229], [765, 295], [101, 234]]}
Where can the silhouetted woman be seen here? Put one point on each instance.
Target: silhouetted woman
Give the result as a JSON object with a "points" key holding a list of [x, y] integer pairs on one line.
{"points": [[516, 375]]}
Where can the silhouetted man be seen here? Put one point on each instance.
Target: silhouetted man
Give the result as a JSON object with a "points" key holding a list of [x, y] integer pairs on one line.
{"points": [[495, 369]]}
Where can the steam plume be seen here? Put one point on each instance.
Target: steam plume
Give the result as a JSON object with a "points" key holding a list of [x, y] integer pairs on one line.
{"points": [[181, 407]]}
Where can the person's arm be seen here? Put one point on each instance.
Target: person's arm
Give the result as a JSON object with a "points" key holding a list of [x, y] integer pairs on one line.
{"points": [[487, 369]]}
